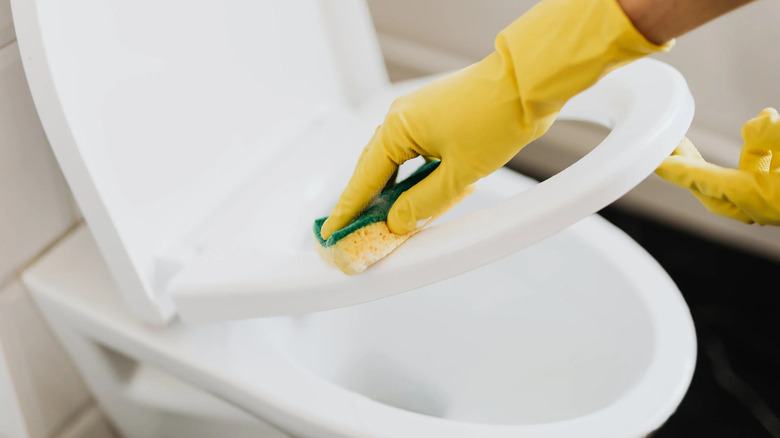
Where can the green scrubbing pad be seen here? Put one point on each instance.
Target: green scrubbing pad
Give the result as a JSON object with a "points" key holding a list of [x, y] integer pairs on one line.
{"points": [[378, 208], [367, 239]]}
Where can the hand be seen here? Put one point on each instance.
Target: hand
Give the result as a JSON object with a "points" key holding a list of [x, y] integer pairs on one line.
{"points": [[476, 119], [751, 193]]}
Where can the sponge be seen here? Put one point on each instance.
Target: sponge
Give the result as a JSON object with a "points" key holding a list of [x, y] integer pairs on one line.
{"points": [[367, 239]]}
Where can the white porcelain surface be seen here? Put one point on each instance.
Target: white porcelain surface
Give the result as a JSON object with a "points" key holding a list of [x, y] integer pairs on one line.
{"points": [[541, 343], [537, 338], [35, 203], [156, 129], [48, 387]]}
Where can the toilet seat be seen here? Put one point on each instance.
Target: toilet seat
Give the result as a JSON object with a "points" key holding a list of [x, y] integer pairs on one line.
{"points": [[646, 104], [202, 202]]}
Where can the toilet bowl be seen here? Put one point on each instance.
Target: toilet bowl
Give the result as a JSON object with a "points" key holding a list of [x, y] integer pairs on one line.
{"points": [[193, 301], [581, 334]]}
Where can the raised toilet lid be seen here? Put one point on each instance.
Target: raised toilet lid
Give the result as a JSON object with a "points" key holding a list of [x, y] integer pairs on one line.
{"points": [[184, 148]]}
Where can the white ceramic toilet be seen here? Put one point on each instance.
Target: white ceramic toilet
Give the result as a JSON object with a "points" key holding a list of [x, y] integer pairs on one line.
{"points": [[201, 140]]}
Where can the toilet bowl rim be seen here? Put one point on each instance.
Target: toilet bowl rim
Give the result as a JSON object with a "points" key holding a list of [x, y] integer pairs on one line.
{"points": [[641, 409]]}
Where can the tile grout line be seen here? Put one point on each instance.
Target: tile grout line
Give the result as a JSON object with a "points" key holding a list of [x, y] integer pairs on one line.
{"points": [[16, 274], [11, 41], [73, 420]]}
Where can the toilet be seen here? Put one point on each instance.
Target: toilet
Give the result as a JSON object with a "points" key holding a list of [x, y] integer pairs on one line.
{"points": [[202, 139]]}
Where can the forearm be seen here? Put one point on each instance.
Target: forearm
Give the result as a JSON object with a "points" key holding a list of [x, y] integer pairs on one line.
{"points": [[661, 20]]}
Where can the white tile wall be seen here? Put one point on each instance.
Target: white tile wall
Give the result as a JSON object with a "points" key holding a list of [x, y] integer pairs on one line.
{"points": [[729, 62], [11, 419], [41, 393], [91, 423], [35, 203], [49, 389], [6, 23]]}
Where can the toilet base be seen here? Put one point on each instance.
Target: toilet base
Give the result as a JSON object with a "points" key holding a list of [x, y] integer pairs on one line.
{"points": [[144, 401]]}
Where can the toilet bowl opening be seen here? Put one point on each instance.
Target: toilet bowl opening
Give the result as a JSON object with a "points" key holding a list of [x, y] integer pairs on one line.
{"points": [[563, 144], [536, 337]]}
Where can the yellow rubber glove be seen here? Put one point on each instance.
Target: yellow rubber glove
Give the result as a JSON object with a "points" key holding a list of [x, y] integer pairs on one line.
{"points": [[476, 119], [751, 193]]}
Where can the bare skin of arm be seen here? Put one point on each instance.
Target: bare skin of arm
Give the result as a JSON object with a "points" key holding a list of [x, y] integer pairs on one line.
{"points": [[661, 20]]}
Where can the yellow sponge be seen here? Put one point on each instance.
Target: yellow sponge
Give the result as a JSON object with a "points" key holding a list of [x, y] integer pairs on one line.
{"points": [[367, 239]]}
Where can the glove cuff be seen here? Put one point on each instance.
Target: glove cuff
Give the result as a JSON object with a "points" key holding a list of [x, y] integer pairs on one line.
{"points": [[561, 47]]}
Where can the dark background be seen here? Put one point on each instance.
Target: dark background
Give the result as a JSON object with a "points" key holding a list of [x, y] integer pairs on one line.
{"points": [[734, 298]]}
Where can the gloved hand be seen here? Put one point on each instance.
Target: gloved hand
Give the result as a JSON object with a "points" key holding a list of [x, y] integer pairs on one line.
{"points": [[751, 193], [476, 119]]}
